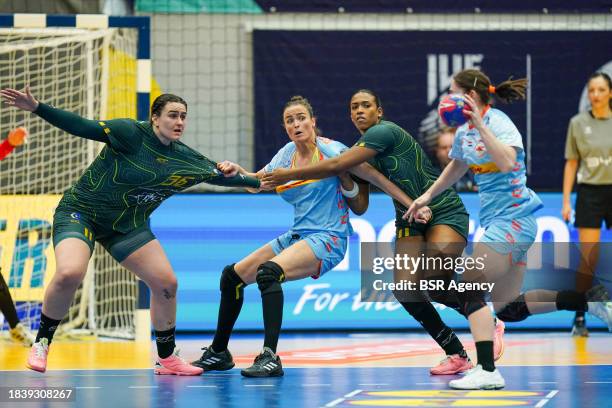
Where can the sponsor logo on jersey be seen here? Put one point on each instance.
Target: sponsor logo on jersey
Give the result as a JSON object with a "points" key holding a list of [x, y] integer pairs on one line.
{"points": [[490, 167], [147, 197]]}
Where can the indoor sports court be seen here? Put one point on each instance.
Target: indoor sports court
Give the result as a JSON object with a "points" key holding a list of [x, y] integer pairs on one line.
{"points": [[326, 370], [134, 132]]}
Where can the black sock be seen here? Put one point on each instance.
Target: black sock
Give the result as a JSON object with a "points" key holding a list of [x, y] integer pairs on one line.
{"points": [[427, 315], [165, 342], [580, 314], [484, 351], [232, 298], [7, 307], [270, 275], [448, 340], [571, 300], [272, 304], [47, 328]]}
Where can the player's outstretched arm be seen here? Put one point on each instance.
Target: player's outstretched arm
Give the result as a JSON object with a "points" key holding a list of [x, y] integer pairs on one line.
{"points": [[325, 168], [450, 175], [238, 180], [231, 169], [67, 121]]}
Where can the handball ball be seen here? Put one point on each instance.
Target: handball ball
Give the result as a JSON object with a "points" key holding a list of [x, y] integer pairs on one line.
{"points": [[453, 110]]}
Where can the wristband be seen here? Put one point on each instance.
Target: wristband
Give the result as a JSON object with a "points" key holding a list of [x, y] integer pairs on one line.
{"points": [[350, 193]]}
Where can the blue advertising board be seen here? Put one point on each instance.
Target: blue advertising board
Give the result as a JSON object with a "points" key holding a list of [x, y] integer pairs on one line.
{"points": [[203, 233]]}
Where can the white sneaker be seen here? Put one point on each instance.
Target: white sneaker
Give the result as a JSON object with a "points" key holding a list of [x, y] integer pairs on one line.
{"points": [[600, 305], [479, 379], [21, 335]]}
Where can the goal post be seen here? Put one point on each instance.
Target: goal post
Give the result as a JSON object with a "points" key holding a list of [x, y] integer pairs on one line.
{"points": [[99, 67]]}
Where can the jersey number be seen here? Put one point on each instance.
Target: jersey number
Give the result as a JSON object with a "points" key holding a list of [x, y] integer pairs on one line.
{"points": [[177, 181]]}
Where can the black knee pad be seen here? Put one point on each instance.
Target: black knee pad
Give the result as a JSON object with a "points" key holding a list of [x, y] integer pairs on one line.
{"points": [[514, 311], [231, 284], [269, 277], [470, 307], [448, 298], [441, 295], [471, 301]]}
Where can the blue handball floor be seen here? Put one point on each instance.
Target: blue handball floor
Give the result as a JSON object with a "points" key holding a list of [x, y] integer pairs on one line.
{"points": [[555, 386]]}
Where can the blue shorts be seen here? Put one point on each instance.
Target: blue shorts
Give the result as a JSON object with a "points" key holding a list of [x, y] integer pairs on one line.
{"points": [[328, 248], [512, 236]]}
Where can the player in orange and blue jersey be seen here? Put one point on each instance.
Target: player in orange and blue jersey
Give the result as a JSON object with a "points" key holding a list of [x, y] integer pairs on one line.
{"points": [[490, 144], [314, 245]]}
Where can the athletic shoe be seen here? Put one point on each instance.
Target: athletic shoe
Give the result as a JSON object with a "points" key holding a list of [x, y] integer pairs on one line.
{"points": [[479, 379], [37, 357], [600, 305], [175, 365], [267, 364], [213, 361], [453, 364], [498, 340], [20, 335], [579, 328]]}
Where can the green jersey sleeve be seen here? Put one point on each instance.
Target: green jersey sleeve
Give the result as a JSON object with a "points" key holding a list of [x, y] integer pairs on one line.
{"points": [[238, 180], [378, 137], [71, 122], [120, 134]]}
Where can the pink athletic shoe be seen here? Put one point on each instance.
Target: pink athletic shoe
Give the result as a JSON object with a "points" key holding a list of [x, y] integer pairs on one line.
{"points": [[37, 357], [498, 340], [452, 364], [175, 365]]}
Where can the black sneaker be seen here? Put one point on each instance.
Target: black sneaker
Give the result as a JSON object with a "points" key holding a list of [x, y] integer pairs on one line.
{"points": [[213, 361], [267, 364], [579, 328]]}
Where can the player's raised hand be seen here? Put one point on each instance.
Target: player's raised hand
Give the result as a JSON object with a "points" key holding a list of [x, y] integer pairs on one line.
{"points": [[474, 114], [18, 99]]}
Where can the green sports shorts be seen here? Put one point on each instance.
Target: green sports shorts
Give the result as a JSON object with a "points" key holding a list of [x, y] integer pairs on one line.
{"points": [[455, 217], [74, 224]]}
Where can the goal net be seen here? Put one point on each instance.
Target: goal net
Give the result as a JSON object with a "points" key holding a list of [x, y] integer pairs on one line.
{"points": [[91, 73]]}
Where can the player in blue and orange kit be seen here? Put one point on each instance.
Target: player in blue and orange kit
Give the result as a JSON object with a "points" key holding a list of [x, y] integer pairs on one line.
{"points": [[315, 244], [141, 165], [397, 155], [491, 146]]}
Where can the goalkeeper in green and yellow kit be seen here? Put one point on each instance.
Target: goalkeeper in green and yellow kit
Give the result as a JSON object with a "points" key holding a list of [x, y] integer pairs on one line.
{"points": [[142, 164]]}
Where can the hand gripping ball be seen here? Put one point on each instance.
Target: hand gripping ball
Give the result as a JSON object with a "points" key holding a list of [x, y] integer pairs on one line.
{"points": [[453, 110]]}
